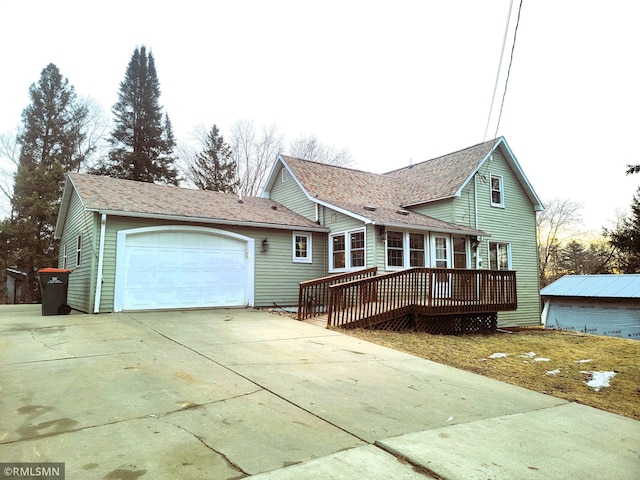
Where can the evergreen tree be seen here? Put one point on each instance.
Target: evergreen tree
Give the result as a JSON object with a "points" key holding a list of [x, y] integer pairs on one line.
{"points": [[141, 143], [214, 167], [626, 239], [48, 149]]}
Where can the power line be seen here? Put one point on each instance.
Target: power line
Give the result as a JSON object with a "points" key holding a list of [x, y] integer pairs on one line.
{"points": [[495, 86], [506, 82]]}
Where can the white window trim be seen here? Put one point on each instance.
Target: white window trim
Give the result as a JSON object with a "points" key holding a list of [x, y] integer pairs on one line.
{"points": [[449, 246], [308, 258], [406, 250], [467, 252], [347, 260], [79, 251], [501, 179], [508, 244]]}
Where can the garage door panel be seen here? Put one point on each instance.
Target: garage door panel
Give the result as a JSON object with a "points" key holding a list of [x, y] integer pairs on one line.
{"points": [[164, 270]]}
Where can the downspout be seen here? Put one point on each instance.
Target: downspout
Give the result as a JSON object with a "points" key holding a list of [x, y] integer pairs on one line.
{"points": [[475, 212], [103, 227]]}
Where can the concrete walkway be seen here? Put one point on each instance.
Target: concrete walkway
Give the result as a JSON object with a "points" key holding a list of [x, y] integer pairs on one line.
{"points": [[217, 394]]}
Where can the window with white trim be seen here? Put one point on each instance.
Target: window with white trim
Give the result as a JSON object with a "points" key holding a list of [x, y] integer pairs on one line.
{"points": [[79, 251], [460, 252], [497, 191], [416, 250], [395, 249], [499, 256], [347, 250], [441, 252], [301, 247], [284, 175]]}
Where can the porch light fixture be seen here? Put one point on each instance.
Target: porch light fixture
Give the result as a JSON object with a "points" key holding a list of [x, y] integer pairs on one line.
{"points": [[265, 245], [382, 233], [475, 241]]}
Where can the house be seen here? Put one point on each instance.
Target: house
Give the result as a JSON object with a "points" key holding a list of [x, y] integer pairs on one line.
{"points": [[16, 284], [606, 305], [136, 246], [472, 209]]}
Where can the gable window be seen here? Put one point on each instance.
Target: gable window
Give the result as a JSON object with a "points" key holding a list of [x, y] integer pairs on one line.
{"points": [[499, 256], [416, 250], [302, 247], [64, 256], [79, 251], [347, 250], [395, 249], [459, 252], [284, 175], [497, 191]]}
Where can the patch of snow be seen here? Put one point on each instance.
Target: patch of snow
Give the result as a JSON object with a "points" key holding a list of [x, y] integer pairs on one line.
{"points": [[553, 372], [498, 355], [449, 419], [541, 359], [599, 380], [528, 355], [584, 361]]}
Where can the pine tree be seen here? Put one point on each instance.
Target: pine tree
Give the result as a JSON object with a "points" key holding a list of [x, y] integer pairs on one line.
{"points": [[626, 239], [141, 143], [214, 167], [48, 142]]}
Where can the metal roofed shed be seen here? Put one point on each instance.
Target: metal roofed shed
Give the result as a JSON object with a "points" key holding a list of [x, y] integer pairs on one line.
{"points": [[607, 305]]}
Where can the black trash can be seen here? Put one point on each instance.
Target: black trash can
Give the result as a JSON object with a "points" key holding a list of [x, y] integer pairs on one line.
{"points": [[54, 284]]}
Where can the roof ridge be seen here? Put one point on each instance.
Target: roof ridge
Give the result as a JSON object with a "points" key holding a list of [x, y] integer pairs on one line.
{"points": [[330, 165], [493, 142]]}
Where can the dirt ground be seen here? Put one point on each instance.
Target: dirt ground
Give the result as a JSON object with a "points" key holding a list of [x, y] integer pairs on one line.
{"points": [[602, 372]]}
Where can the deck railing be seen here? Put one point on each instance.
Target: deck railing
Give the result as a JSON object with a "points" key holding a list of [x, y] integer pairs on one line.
{"points": [[313, 296], [428, 291]]}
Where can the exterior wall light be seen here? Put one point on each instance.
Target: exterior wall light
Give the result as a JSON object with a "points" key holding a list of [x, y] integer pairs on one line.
{"points": [[265, 245]]}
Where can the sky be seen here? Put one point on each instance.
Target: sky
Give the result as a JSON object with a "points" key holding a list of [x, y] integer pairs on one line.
{"points": [[394, 82]]}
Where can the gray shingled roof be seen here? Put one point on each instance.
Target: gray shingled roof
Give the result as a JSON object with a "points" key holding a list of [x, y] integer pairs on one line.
{"points": [[595, 286], [129, 198], [352, 190]]}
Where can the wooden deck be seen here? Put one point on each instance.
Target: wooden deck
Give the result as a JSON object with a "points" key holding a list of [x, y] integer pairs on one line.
{"points": [[372, 300]]}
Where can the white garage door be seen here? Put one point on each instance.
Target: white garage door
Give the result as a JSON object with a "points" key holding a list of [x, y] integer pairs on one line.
{"points": [[177, 268]]}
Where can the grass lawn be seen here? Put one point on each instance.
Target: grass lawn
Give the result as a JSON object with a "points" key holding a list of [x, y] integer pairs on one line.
{"points": [[573, 366]]}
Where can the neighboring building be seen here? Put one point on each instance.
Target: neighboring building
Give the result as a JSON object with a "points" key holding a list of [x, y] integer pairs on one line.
{"points": [[606, 305], [16, 285], [143, 246], [470, 209]]}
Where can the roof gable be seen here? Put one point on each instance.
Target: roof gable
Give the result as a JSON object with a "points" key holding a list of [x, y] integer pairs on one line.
{"points": [[139, 199]]}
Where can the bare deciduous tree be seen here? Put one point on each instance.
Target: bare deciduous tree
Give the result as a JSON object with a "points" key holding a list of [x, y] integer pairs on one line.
{"points": [[9, 161], [554, 227], [309, 147], [254, 152]]}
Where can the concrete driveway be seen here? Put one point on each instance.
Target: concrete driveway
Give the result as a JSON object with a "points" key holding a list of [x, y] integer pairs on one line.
{"points": [[220, 394]]}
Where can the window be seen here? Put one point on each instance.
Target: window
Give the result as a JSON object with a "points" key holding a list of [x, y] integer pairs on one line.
{"points": [[302, 247], [79, 251], [497, 196], [357, 249], [395, 249], [499, 256], [64, 256], [416, 250], [284, 175], [459, 252], [441, 254], [347, 250]]}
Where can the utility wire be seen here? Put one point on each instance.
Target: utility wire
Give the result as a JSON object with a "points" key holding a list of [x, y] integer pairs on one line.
{"points": [[506, 82], [495, 86]]}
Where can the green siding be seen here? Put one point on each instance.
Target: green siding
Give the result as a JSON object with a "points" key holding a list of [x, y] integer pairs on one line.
{"points": [[514, 224], [276, 275], [289, 194], [81, 282], [441, 209]]}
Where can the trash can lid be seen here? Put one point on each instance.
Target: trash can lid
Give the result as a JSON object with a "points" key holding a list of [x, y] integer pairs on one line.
{"points": [[54, 270]]}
